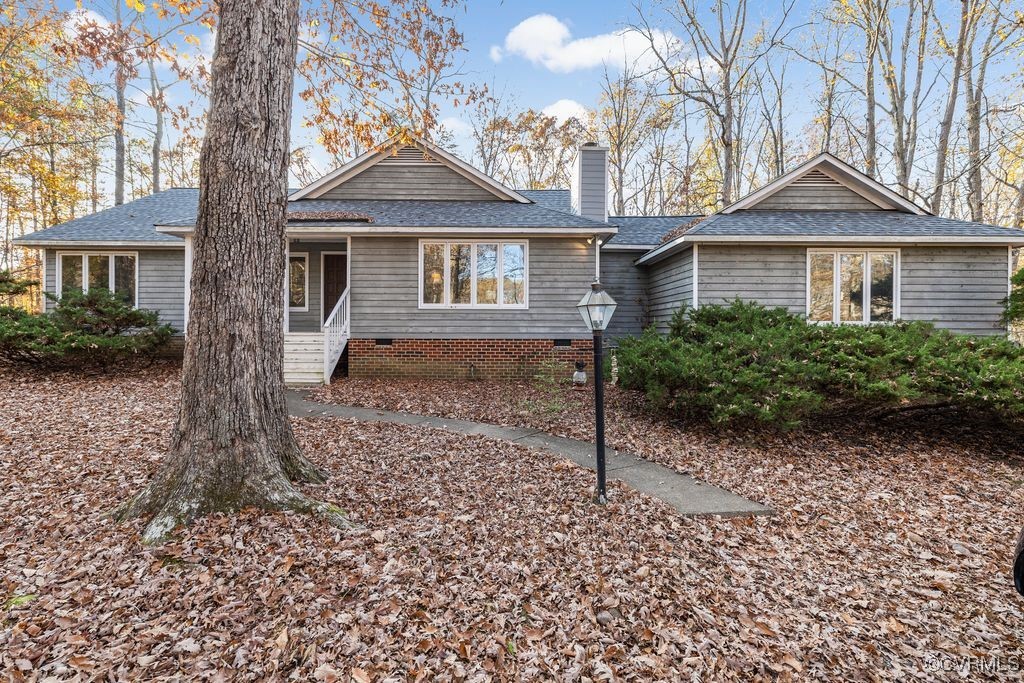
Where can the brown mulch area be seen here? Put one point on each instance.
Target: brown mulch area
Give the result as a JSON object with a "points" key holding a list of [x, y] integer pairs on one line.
{"points": [[479, 559]]}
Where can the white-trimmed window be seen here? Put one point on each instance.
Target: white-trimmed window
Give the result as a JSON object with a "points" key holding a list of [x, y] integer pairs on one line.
{"points": [[853, 285], [116, 272], [298, 282], [473, 274]]}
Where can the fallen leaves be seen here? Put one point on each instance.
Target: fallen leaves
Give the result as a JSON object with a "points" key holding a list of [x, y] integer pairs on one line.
{"points": [[481, 559]]}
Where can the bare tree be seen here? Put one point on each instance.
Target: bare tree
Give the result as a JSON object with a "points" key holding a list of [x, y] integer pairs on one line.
{"points": [[727, 49], [968, 19], [903, 52], [771, 90], [626, 118], [156, 100], [870, 17], [999, 31], [121, 78], [531, 150], [491, 135], [232, 445]]}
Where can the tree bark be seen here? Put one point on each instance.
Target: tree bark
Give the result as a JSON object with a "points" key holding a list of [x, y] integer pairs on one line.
{"points": [[975, 91], [120, 84], [156, 94], [232, 445], [872, 26], [946, 124]]}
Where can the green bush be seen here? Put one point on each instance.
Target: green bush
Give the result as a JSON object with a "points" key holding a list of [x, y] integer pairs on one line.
{"points": [[11, 285], [96, 329], [1014, 303], [744, 362]]}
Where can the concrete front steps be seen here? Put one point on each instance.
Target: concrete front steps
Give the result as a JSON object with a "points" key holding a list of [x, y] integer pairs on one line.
{"points": [[303, 358]]}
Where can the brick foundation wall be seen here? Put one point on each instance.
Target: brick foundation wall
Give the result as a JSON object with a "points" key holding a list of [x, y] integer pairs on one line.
{"points": [[461, 358]]}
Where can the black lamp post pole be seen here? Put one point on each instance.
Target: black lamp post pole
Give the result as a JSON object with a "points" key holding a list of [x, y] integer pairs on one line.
{"points": [[601, 493]]}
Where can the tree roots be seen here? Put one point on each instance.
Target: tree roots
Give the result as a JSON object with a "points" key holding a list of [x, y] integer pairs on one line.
{"points": [[171, 500]]}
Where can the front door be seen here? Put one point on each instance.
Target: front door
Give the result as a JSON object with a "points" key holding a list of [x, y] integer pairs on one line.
{"points": [[335, 278]]}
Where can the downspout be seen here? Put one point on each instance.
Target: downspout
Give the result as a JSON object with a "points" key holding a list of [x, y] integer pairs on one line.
{"points": [[695, 299], [42, 280]]}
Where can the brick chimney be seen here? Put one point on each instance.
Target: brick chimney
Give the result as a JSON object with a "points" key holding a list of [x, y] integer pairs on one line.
{"points": [[590, 182]]}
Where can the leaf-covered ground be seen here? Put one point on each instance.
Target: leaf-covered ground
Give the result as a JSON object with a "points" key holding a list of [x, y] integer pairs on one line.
{"points": [[479, 559]]}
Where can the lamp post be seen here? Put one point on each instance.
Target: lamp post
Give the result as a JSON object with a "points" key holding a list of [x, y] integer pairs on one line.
{"points": [[596, 308]]}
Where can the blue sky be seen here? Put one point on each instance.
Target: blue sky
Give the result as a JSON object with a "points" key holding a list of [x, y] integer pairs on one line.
{"points": [[487, 23], [550, 55]]}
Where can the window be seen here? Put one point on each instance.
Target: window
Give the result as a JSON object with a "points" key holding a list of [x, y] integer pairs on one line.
{"points": [[298, 282], [468, 274], [117, 273], [852, 286]]}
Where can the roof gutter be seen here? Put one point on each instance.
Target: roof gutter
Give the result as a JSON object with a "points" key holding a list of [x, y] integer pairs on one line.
{"points": [[371, 229], [628, 247], [684, 241], [105, 244]]}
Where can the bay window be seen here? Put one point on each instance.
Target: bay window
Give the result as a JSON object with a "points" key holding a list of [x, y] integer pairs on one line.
{"points": [[473, 274], [852, 285], [117, 273]]}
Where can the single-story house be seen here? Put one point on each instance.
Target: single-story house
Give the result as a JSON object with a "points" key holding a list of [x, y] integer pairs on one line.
{"points": [[410, 262]]}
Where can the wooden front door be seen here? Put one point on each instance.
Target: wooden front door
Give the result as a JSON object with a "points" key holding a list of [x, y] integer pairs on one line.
{"points": [[335, 277]]}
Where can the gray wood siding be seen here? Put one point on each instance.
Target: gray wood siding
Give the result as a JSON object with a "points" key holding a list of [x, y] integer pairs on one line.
{"points": [[670, 286], [628, 286], [161, 280], [385, 293], [772, 275], [956, 288], [817, 192], [409, 176], [310, 321]]}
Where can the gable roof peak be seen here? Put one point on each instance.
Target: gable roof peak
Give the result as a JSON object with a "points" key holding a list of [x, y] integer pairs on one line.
{"points": [[840, 172], [390, 147]]}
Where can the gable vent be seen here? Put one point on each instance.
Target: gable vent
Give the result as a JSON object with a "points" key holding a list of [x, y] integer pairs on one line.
{"points": [[408, 156], [815, 178]]}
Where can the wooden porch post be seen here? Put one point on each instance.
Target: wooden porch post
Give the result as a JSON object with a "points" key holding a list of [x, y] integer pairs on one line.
{"points": [[287, 282]]}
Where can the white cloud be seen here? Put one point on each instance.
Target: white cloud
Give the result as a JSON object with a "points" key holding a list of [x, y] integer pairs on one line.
{"points": [[456, 126], [545, 40], [565, 109], [82, 19], [461, 135]]}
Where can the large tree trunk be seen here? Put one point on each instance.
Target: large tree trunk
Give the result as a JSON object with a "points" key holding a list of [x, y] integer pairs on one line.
{"points": [[120, 84], [233, 445], [946, 123], [975, 90], [156, 94]]}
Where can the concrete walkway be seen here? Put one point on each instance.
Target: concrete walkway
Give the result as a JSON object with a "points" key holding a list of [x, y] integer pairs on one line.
{"points": [[687, 495]]}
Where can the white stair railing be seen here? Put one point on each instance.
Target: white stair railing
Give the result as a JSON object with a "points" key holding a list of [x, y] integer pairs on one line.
{"points": [[336, 332]]}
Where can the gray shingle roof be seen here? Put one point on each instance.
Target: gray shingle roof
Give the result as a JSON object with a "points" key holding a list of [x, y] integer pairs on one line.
{"points": [[645, 230], [136, 221], [131, 222], [559, 200], [844, 223]]}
